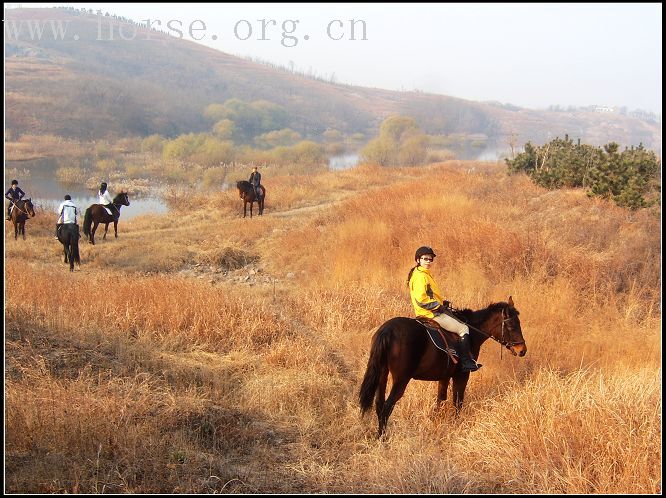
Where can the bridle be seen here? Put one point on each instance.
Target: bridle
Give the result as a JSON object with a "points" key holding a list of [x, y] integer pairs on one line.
{"points": [[507, 344]]}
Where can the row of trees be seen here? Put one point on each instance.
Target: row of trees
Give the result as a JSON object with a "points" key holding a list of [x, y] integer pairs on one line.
{"points": [[631, 177], [401, 142]]}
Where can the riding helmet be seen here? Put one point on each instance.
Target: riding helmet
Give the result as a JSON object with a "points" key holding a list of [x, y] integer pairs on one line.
{"points": [[14, 182], [68, 197], [422, 251]]}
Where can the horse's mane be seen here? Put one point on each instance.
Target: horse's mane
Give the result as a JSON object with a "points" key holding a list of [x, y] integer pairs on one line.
{"points": [[118, 197], [243, 183], [479, 316]]}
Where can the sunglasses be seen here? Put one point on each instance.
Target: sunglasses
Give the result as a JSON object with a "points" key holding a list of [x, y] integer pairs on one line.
{"points": [[428, 259]]}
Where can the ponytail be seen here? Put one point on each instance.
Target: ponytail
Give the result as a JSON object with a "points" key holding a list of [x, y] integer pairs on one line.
{"points": [[409, 275]]}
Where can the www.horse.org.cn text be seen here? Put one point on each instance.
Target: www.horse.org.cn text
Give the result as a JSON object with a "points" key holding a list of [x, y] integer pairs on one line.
{"points": [[288, 33]]}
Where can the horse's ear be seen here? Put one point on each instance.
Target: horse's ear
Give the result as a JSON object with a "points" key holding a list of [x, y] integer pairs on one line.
{"points": [[510, 301]]}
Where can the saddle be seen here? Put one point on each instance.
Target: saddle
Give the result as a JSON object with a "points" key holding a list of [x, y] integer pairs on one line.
{"points": [[438, 336]]}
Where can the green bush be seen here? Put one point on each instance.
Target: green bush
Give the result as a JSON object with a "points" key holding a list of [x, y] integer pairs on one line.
{"points": [[630, 178]]}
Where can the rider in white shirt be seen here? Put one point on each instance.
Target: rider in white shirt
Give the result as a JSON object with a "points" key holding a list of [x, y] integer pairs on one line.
{"points": [[106, 200], [67, 212]]}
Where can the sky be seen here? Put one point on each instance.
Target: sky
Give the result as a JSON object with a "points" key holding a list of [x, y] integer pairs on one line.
{"points": [[529, 55]]}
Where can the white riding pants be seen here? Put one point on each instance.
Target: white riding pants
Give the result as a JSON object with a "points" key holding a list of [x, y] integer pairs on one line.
{"points": [[451, 324]]}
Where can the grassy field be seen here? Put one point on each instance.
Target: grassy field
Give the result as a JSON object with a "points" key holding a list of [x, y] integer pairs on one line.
{"points": [[201, 352]]}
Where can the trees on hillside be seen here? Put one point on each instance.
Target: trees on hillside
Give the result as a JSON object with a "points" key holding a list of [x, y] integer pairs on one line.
{"points": [[630, 178], [246, 120]]}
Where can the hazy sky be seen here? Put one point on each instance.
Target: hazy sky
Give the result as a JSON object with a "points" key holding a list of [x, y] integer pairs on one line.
{"points": [[528, 55]]}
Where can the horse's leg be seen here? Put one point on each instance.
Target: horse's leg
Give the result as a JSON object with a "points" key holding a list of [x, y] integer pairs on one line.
{"points": [[23, 229], [71, 253], [115, 228], [459, 385], [397, 391], [244, 208], [442, 387], [106, 229], [16, 228], [92, 232], [251, 204]]}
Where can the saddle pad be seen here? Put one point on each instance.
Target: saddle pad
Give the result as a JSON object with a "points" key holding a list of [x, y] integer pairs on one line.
{"points": [[107, 210]]}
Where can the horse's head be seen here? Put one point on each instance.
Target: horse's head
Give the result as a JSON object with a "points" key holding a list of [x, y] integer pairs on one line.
{"points": [[122, 199], [29, 207], [510, 333], [244, 188]]}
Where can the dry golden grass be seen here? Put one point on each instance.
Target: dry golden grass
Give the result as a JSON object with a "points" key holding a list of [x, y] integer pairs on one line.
{"points": [[201, 352]]}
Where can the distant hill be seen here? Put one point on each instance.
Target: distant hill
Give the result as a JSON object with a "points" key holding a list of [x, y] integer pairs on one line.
{"points": [[90, 88]]}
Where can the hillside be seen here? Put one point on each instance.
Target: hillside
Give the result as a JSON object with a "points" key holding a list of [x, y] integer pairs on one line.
{"points": [[90, 88]]}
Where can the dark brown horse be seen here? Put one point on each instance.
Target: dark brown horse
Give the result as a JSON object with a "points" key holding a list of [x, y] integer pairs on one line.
{"points": [[97, 214], [402, 347], [68, 235], [246, 192], [21, 211]]}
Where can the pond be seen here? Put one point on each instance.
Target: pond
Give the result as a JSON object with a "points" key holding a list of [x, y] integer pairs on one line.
{"points": [[47, 193]]}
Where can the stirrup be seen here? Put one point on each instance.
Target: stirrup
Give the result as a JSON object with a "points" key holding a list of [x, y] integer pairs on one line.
{"points": [[464, 368]]}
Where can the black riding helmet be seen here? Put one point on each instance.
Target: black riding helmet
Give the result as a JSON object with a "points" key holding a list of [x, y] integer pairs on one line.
{"points": [[422, 251], [14, 182], [68, 197]]}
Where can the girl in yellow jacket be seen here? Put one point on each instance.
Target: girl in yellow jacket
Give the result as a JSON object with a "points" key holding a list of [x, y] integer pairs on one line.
{"points": [[428, 301]]}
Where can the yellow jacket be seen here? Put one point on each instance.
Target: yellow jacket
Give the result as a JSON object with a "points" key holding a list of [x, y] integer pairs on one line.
{"points": [[424, 293]]}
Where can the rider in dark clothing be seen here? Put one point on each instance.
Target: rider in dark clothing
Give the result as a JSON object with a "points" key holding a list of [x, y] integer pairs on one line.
{"points": [[255, 181], [13, 194]]}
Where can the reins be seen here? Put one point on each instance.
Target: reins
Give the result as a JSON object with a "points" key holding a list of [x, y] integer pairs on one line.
{"points": [[17, 207]]}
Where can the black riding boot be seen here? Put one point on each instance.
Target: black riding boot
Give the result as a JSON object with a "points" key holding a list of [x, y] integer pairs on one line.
{"points": [[467, 363]]}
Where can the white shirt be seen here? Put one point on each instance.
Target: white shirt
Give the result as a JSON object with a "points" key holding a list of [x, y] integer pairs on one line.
{"points": [[105, 198], [67, 212]]}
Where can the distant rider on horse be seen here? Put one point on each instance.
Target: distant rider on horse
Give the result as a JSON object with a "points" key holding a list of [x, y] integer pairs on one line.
{"points": [[106, 200], [255, 181], [14, 194]]}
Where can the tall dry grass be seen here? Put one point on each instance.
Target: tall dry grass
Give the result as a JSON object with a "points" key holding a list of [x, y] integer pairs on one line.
{"points": [[134, 374]]}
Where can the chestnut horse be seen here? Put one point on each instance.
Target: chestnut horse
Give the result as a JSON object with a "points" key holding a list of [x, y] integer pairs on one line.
{"points": [[246, 192], [97, 214], [402, 347], [21, 211]]}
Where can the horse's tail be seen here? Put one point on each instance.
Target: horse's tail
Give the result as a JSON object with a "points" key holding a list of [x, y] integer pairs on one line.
{"points": [[87, 222], [377, 363]]}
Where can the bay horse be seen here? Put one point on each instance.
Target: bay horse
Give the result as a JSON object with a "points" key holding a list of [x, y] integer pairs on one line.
{"points": [[402, 347], [97, 214], [21, 211], [68, 235], [246, 192]]}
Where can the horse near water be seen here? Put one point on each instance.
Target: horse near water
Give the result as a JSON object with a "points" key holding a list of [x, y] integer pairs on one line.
{"points": [[402, 347], [97, 214], [68, 235], [21, 211], [247, 194]]}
